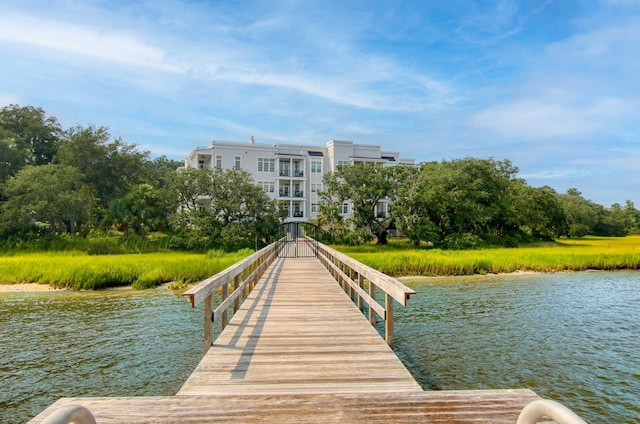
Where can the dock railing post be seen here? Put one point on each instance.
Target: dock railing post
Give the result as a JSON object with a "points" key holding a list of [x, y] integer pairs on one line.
{"points": [[236, 284], [372, 312], [361, 284], [208, 322], [388, 319], [225, 314]]}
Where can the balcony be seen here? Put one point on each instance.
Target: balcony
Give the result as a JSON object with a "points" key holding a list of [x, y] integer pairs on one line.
{"points": [[298, 194], [298, 214]]}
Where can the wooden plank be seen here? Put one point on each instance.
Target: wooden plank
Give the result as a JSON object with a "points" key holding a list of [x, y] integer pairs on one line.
{"points": [[298, 332], [499, 406]]}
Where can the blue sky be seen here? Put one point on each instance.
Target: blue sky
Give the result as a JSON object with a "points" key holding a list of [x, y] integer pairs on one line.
{"points": [[553, 86]]}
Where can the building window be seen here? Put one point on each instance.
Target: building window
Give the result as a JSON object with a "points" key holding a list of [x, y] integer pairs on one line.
{"points": [[344, 208], [266, 165], [314, 208], [342, 163], [316, 167], [267, 186], [316, 188], [218, 161], [237, 162]]}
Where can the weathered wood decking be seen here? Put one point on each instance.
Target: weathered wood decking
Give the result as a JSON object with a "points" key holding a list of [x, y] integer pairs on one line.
{"points": [[298, 332], [298, 350]]}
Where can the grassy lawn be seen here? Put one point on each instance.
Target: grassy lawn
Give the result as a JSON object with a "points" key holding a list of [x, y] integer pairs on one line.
{"points": [[588, 253]]}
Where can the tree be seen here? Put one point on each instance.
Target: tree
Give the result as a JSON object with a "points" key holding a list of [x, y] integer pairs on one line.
{"points": [[160, 171], [141, 210], [221, 208], [411, 208], [459, 203], [541, 215], [245, 212], [34, 135], [364, 185], [55, 195], [112, 168], [581, 213], [12, 159]]}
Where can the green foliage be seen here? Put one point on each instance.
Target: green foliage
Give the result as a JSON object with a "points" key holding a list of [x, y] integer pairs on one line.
{"points": [[112, 168], [365, 186], [30, 136], [52, 194], [82, 182]]}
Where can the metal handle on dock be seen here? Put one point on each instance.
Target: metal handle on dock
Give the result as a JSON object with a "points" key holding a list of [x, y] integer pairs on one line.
{"points": [[548, 408], [73, 414]]}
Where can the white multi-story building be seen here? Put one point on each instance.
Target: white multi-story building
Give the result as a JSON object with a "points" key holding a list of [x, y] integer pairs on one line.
{"points": [[292, 173]]}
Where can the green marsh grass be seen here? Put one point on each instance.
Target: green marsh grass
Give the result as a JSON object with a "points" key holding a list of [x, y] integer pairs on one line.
{"points": [[589, 253], [81, 271]]}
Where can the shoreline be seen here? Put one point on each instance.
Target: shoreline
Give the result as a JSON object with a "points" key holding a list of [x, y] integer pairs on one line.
{"points": [[28, 287], [38, 287]]}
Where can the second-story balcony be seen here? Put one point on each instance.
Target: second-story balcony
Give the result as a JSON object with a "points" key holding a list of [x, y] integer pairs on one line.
{"points": [[298, 194]]}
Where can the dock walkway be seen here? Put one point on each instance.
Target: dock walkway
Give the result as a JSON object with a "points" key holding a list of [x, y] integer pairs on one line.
{"points": [[298, 332], [299, 350]]}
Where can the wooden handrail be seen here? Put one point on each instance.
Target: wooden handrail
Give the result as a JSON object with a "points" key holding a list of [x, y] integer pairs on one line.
{"points": [[389, 285], [206, 287], [352, 275], [243, 275]]}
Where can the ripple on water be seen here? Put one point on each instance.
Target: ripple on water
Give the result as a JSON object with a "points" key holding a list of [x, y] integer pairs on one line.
{"points": [[112, 343], [571, 337]]}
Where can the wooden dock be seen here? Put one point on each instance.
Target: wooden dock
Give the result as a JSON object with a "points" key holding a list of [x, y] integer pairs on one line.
{"points": [[299, 350], [299, 333]]}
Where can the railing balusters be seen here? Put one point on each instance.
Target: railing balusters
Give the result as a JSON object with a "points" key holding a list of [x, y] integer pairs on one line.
{"points": [[243, 275], [346, 269]]}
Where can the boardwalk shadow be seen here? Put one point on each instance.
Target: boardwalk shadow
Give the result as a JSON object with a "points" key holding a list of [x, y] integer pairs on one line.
{"points": [[257, 309]]}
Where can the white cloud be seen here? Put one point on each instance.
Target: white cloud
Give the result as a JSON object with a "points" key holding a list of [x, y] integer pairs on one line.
{"points": [[544, 118], [91, 42]]}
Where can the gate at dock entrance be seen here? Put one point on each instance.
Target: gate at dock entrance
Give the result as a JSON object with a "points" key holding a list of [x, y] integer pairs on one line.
{"points": [[297, 240]]}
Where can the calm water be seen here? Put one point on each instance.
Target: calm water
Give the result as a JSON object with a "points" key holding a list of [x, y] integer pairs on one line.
{"points": [[569, 337], [113, 343]]}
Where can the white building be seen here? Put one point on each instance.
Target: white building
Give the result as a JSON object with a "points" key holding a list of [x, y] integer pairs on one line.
{"points": [[292, 173]]}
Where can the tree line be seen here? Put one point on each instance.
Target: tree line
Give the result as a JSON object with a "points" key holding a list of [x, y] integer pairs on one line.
{"points": [[463, 203], [82, 182]]}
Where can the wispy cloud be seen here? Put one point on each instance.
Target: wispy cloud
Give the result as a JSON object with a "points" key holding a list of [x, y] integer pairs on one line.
{"points": [[102, 44]]}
